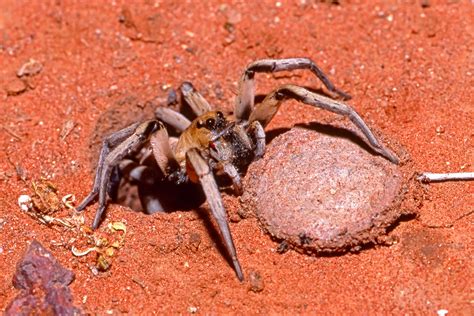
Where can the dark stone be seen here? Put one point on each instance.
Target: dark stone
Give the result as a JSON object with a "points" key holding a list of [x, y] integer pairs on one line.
{"points": [[44, 285]]}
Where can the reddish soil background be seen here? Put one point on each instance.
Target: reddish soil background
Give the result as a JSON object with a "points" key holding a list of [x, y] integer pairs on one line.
{"points": [[407, 64]]}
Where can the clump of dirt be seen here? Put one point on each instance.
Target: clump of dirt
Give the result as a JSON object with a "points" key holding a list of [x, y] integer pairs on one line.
{"points": [[327, 192]]}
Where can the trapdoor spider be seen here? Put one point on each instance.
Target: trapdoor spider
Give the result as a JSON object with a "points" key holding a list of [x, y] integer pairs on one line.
{"points": [[215, 145]]}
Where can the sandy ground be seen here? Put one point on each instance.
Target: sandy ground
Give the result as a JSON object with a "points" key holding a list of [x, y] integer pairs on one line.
{"points": [[407, 64]]}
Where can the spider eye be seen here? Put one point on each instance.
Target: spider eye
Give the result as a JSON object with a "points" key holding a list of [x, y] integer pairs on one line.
{"points": [[210, 123], [220, 115], [200, 124]]}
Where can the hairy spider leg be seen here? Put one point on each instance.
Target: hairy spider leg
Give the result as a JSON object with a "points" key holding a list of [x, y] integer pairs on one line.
{"points": [[194, 99], [115, 148], [257, 132], [245, 99], [204, 174], [108, 144], [175, 119], [265, 111]]}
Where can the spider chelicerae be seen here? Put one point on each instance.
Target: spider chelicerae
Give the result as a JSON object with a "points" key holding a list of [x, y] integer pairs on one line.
{"points": [[213, 145]]}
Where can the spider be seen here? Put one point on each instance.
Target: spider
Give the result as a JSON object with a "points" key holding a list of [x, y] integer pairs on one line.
{"points": [[213, 145]]}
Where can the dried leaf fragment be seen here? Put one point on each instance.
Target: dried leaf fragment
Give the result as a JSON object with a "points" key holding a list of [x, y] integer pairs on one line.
{"points": [[31, 68], [45, 200]]}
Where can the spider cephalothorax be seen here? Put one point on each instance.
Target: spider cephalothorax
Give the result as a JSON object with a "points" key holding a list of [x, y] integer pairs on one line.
{"points": [[213, 145]]}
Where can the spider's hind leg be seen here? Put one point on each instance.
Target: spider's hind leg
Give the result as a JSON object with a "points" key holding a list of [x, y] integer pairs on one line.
{"points": [[265, 111], [245, 99]]}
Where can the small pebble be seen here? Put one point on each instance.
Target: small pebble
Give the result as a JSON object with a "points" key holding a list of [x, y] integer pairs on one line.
{"points": [[25, 202], [233, 16], [440, 130], [94, 270], [194, 241], [192, 309], [30, 68], [442, 312], [256, 282], [16, 87], [425, 3], [218, 91]]}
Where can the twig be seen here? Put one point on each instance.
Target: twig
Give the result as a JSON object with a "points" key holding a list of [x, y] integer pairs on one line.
{"points": [[450, 225], [12, 133], [439, 177], [68, 126], [139, 281]]}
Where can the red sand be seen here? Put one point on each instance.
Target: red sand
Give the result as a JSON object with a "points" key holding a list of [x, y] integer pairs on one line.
{"points": [[408, 68]]}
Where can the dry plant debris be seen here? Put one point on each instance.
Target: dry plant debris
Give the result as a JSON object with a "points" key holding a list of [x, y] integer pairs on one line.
{"points": [[45, 205]]}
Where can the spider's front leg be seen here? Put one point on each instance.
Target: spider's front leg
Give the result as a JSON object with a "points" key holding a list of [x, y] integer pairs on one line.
{"points": [[172, 118], [199, 171], [265, 111], [245, 99], [190, 96], [108, 144], [194, 99], [115, 147]]}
